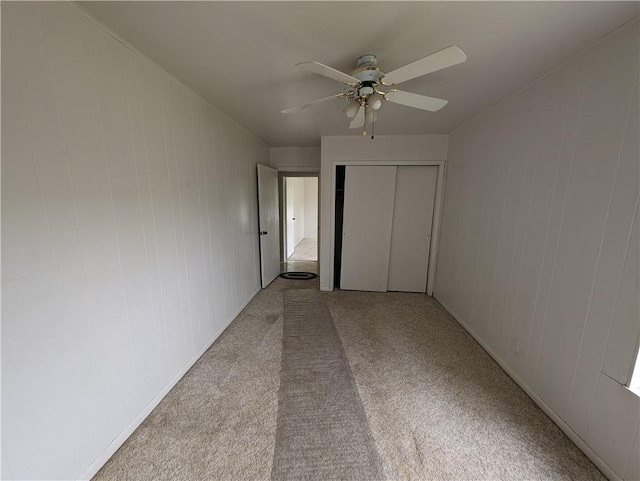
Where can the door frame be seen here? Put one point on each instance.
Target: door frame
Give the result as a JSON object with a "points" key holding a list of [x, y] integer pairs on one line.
{"points": [[437, 211], [282, 207]]}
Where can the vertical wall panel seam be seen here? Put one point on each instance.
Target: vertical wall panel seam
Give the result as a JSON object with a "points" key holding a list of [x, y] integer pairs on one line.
{"points": [[63, 135], [153, 215], [186, 323], [207, 214], [546, 237], [526, 229], [190, 320], [615, 303], [604, 231], [144, 234], [478, 251], [509, 155], [238, 172], [217, 178], [493, 161], [628, 465], [195, 318], [228, 178], [96, 96], [564, 204], [230, 273], [491, 239], [477, 248], [207, 158], [219, 199], [508, 320], [200, 213], [505, 316], [455, 288], [467, 216]]}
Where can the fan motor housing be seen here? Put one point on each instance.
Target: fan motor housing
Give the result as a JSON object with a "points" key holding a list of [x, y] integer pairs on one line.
{"points": [[367, 70], [367, 60]]}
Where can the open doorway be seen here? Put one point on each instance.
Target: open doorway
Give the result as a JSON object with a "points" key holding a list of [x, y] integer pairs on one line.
{"points": [[299, 208]]}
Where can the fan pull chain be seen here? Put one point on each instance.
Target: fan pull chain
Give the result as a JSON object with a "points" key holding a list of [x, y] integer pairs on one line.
{"points": [[373, 126]]}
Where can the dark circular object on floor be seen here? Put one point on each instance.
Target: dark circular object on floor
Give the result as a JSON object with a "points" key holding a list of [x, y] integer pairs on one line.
{"points": [[300, 276]]}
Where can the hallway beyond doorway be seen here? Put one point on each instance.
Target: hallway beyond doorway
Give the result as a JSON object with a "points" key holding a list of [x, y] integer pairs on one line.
{"points": [[306, 250], [304, 257]]}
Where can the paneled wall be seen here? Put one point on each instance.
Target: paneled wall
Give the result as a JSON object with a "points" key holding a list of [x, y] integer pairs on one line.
{"points": [[539, 249], [129, 237]]}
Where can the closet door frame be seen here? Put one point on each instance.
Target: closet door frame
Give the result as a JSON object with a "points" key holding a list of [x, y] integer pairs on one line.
{"points": [[437, 210]]}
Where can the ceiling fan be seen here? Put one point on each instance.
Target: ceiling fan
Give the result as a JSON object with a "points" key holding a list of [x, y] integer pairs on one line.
{"points": [[364, 85]]}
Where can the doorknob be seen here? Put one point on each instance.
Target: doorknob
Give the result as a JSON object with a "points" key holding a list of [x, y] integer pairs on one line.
{"points": [[263, 232]]}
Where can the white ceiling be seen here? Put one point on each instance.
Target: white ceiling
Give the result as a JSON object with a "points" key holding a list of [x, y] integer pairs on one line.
{"points": [[240, 55]]}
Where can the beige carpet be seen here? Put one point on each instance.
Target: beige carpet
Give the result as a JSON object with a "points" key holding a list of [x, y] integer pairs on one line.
{"points": [[438, 407]]}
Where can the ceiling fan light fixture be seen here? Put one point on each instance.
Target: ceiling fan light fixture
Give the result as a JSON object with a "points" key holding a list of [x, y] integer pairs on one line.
{"points": [[365, 100], [351, 110], [374, 101]]}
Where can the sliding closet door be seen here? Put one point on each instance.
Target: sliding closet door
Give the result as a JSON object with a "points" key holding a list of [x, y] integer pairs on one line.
{"points": [[411, 231], [368, 212]]}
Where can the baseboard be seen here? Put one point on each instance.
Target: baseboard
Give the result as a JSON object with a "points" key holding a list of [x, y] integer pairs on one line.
{"points": [[571, 434], [119, 440]]}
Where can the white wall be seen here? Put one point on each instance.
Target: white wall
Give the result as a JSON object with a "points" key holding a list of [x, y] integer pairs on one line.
{"points": [[295, 158], [382, 149], [539, 248], [295, 200], [129, 237], [310, 207]]}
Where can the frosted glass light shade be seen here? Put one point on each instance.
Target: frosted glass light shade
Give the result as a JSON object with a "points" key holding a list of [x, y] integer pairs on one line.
{"points": [[351, 109], [375, 101]]}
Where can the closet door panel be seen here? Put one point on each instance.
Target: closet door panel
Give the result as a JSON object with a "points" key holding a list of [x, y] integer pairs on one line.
{"points": [[411, 230], [368, 213]]}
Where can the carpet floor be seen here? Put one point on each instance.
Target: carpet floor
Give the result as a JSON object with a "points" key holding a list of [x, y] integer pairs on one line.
{"points": [[437, 406], [322, 431]]}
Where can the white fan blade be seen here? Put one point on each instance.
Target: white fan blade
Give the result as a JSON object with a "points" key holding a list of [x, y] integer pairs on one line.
{"points": [[321, 69], [444, 58], [423, 102], [358, 120], [308, 104]]}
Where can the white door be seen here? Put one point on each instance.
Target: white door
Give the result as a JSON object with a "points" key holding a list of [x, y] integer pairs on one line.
{"points": [[411, 231], [368, 212], [269, 221]]}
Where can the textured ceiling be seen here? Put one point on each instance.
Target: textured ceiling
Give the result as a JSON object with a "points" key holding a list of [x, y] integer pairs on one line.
{"points": [[240, 55]]}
